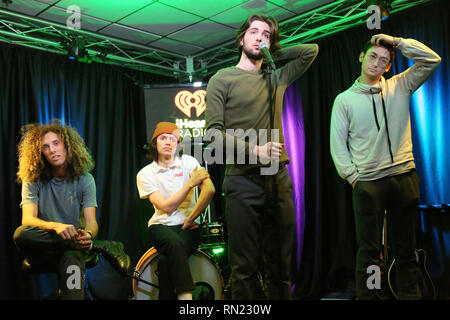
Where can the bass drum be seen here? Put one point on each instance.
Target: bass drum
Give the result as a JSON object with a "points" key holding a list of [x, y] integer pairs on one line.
{"points": [[205, 274]]}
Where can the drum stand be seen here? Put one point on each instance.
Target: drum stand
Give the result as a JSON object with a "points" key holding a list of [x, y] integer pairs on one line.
{"points": [[206, 215], [213, 230]]}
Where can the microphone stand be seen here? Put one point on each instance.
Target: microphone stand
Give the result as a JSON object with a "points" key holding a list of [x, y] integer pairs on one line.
{"points": [[273, 182], [273, 185]]}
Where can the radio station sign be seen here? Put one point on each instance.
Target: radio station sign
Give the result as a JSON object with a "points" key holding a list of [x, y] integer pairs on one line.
{"points": [[191, 105]]}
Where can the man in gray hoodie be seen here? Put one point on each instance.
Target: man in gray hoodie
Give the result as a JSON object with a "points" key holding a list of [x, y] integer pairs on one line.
{"points": [[370, 142]]}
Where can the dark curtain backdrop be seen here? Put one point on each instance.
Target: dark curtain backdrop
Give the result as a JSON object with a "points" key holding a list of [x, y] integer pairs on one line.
{"points": [[329, 246], [106, 106]]}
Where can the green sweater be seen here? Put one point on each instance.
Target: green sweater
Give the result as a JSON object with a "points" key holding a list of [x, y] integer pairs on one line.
{"points": [[359, 149], [238, 99]]}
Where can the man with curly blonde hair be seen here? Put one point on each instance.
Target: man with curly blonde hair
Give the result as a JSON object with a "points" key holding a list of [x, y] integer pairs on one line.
{"points": [[54, 166]]}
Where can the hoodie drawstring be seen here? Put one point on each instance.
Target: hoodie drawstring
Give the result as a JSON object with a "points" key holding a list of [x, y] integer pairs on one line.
{"points": [[385, 119], [375, 113]]}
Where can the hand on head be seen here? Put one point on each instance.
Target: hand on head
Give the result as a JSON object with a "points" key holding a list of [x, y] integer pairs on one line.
{"points": [[382, 38]]}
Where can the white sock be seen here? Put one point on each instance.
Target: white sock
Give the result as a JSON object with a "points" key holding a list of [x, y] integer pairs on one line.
{"points": [[185, 296]]}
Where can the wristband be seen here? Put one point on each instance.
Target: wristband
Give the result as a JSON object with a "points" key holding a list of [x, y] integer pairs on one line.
{"points": [[395, 45]]}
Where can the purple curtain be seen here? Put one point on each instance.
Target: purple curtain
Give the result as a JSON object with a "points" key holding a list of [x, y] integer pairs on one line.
{"points": [[294, 138]]}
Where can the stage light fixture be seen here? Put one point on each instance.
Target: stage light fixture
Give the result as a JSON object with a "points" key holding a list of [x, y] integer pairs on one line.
{"points": [[218, 251], [76, 50], [102, 56], [384, 5]]}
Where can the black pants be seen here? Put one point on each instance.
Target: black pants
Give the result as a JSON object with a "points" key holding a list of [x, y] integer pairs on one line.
{"points": [[50, 253], [260, 234], [399, 196], [174, 246]]}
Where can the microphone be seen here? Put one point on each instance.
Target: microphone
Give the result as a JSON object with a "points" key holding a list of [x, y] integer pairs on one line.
{"points": [[262, 46]]}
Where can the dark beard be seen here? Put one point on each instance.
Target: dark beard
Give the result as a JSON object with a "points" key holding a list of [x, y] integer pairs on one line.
{"points": [[252, 56]]}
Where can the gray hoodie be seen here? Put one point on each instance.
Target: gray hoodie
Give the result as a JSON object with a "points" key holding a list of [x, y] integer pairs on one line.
{"points": [[361, 145]]}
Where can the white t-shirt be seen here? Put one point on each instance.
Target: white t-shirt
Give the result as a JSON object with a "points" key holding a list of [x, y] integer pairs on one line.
{"points": [[168, 181]]}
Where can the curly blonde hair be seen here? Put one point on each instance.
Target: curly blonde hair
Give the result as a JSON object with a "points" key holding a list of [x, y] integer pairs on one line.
{"points": [[34, 166]]}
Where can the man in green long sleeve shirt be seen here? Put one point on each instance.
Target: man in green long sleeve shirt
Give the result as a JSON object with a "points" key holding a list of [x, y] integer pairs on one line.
{"points": [[260, 217]]}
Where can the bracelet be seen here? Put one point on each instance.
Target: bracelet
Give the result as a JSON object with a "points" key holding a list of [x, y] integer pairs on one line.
{"points": [[395, 45]]}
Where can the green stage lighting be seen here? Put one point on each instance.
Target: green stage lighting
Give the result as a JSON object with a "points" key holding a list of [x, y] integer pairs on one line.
{"points": [[218, 251]]}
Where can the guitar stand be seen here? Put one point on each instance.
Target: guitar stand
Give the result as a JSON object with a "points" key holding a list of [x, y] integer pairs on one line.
{"points": [[389, 269]]}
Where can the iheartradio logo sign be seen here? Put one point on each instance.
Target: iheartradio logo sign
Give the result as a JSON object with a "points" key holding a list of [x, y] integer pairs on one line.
{"points": [[186, 100]]}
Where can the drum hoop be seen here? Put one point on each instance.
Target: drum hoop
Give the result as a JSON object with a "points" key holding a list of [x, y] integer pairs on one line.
{"points": [[204, 254], [145, 256], [152, 253], [143, 262]]}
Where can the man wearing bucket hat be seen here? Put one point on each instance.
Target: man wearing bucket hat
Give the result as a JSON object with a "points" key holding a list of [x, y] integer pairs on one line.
{"points": [[169, 182]]}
